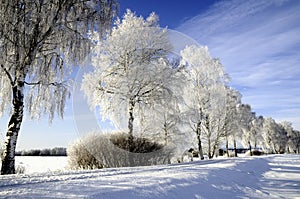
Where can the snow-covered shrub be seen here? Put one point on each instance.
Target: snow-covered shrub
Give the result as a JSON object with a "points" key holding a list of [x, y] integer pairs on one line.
{"points": [[20, 169], [80, 157], [109, 150]]}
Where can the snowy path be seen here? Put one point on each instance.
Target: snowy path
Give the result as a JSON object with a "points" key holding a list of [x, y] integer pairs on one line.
{"points": [[275, 176]]}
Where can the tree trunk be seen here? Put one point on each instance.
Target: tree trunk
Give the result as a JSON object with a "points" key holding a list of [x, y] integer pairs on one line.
{"points": [[130, 136], [227, 152], [200, 155], [209, 149], [165, 134], [250, 148], [130, 125], [214, 149], [14, 125], [235, 150]]}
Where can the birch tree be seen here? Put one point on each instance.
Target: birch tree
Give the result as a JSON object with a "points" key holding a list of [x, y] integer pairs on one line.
{"points": [[40, 41], [213, 132], [231, 124], [294, 141], [131, 73], [163, 122], [293, 144], [204, 96], [169, 121], [256, 131], [247, 118], [275, 136]]}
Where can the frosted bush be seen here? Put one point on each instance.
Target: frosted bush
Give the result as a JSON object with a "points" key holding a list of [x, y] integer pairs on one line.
{"points": [[20, 169], [97, 151]]}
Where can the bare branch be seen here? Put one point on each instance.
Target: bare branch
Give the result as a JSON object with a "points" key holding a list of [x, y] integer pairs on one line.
{"points": [[58, 84], [8, 75]]}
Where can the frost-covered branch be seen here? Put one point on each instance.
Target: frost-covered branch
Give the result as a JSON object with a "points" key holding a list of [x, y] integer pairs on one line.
{"points": [[39, 49], [130, 76], [204, 96]]}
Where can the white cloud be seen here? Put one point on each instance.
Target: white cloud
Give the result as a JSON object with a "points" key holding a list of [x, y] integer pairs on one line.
{"points": [[258, 43]]}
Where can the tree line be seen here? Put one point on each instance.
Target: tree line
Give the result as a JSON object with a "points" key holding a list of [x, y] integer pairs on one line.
{"points": [[186, 99], [57, 151]]}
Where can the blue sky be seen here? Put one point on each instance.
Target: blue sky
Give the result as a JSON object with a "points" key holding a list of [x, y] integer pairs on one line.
{"points": [[257, 41]]}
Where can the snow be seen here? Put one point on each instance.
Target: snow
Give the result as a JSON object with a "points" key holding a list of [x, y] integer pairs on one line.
{"points": [[272, 176], [38, 164]]}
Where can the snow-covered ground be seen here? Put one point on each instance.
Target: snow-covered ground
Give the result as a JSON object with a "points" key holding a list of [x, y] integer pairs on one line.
{"points": [[38, 164], [273, 176]]}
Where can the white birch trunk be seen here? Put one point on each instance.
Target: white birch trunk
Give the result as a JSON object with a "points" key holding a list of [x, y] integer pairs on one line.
{"points": [[14, 125]]}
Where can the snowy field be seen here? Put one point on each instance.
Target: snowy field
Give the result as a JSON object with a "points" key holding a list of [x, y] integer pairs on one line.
{"points": [[38, 164], [273, 176]]}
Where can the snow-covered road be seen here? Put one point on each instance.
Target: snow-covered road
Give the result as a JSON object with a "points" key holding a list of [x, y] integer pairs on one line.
{"points": [[274, 176]]}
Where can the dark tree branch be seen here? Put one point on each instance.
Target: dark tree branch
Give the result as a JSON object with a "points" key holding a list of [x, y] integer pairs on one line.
{"points": [[41, 83], [8, 75]]}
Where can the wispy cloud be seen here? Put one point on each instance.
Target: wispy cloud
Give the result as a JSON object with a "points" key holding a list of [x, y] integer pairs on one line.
{"points": [[258, 42]]}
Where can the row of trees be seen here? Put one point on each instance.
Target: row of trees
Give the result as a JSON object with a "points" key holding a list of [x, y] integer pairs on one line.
{"points": [[271, 136], [57, 151], [185, 99]]}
